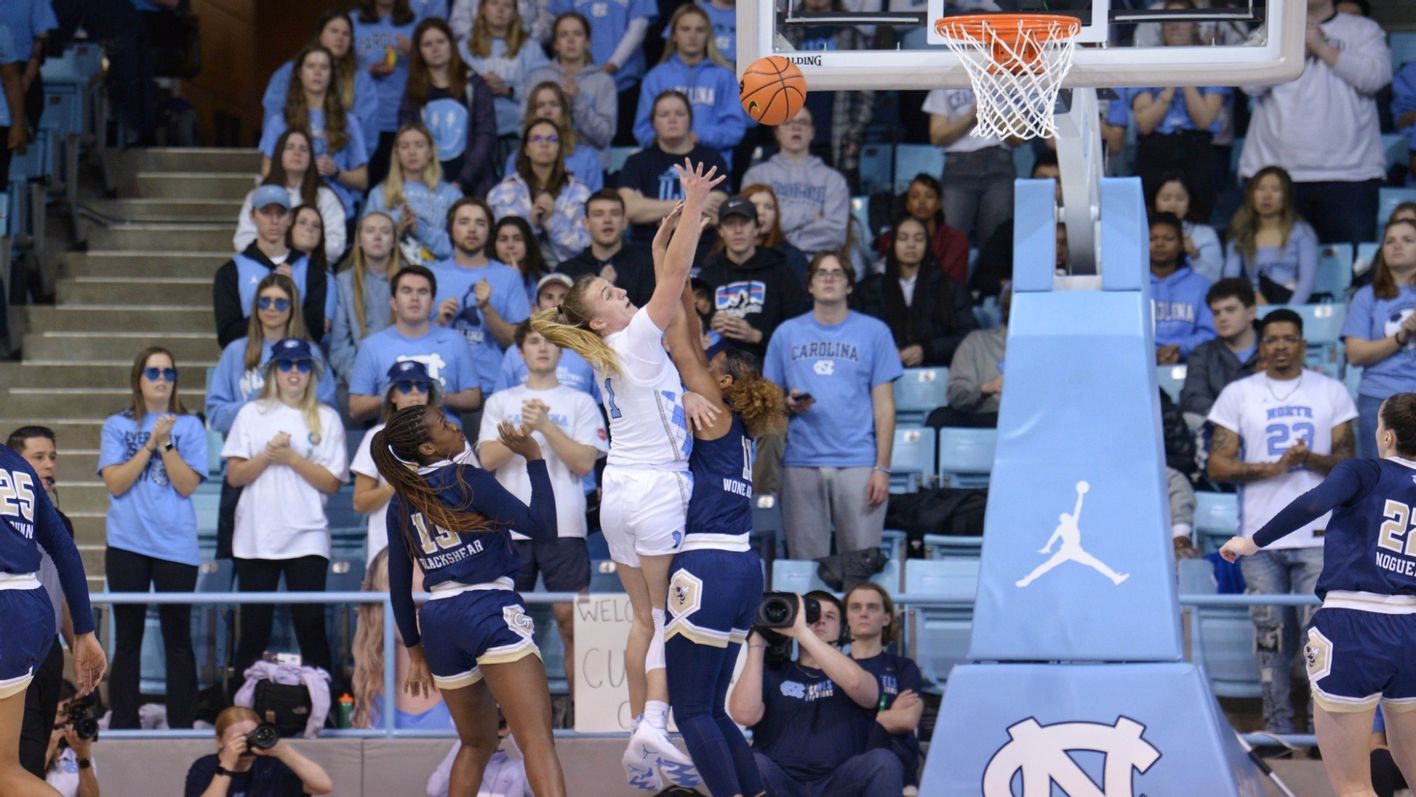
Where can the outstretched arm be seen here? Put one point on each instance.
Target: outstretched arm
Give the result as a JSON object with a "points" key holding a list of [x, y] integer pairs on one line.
{"points": [[686, 350], [671, 274], [1347, 481]]}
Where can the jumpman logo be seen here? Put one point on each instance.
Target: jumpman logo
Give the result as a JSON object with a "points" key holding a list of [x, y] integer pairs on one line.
{"points": [[1071, 550]]}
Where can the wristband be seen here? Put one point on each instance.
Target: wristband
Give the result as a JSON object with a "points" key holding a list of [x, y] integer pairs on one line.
{"points": [[222, 771], [84, 763], [1399, 342], [878, 469]]}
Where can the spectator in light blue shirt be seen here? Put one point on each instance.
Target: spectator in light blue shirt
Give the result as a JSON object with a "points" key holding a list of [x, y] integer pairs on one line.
{"points": [[334, 32], [152, 457], [833, 363], [616, 35], [416, 197], [383, 39], [413, 336], [1182, 316], [1269, 244], [1378, 329], [479, 298], [12, 108]]}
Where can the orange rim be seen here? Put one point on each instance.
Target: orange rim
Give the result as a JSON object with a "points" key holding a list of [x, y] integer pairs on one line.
{"points": [[1008, 27]]}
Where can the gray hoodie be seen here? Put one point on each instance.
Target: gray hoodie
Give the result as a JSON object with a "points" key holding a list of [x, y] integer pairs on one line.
{"points": [[813, 201], [595, 110]]}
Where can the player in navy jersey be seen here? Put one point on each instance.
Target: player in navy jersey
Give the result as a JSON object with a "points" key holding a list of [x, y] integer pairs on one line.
{"points": [[28, 522], [1359, 644], [476, 642], [715, 584]]}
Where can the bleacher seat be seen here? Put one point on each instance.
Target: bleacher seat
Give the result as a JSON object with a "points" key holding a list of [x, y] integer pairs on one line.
{"points": [[1352, 377], [912, 159], [1403, 48], [1023, 159], [1367, 253], [1390, 198], [214, 444], [603, 576], [796, 575], [1396, 146], [1216, 517], [1221, 638], [918, 392], [911, 459], [966, 456], [212, 625], [618, 155], [876, 168], [860, 214], [1334, 271], [892, 543], [948, 546], [941, 633], [1171, 378]]}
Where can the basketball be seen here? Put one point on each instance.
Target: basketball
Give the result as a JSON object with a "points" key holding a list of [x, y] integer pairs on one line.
{"points": [[772, 90]]}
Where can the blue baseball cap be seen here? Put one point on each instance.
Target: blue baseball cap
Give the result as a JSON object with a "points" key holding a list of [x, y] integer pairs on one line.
{"points": [[291, 350], [410, 371], [270, 195]]}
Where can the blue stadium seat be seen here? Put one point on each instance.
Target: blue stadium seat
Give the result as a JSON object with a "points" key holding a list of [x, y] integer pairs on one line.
{"points": [[876, 168], [603, 577], [212, 625], [214, 461], [796, 575], [1171, 378], [1403, 48], [1352, 378], [1216, 517], [911, 459], [941, 633], [548, 639], [207, 501], [860, 213], [911, 159], [339, 509], [1334, 271], [1023, 159], [1221, 638], [1234, 153], [1367, 253], [618, 155], [918, 392], [966, 456], [1390, 198], [1396, 147], [889, 576], [948, 546], [892, 543]]}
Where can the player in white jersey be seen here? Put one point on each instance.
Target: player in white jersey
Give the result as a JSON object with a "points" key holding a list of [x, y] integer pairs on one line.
{"points": [[646, 481], [1277, 434]]}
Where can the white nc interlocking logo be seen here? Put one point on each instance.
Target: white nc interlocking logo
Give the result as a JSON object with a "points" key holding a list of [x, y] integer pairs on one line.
{"points": [[1040, 753], [1070, 535]]}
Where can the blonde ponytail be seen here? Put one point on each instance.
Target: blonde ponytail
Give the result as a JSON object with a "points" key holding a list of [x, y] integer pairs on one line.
{"points": [[552, 324]]}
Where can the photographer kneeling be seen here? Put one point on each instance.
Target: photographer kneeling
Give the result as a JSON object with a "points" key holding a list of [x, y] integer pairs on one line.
{"points": [[68, 765], [253, 764], [811, 719]]}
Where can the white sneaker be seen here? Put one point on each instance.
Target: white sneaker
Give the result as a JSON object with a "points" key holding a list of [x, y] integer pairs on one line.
{"points": [[640, 762], [675, 767]]}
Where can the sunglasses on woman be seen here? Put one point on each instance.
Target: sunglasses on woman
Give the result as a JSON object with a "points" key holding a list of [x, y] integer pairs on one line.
{"points": [[267, 302], [408, 387], [154, 374], [289, 365]]}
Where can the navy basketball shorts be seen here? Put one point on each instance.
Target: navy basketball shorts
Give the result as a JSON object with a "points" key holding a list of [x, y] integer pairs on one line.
{"points": [[713, 596], [1356, 659], [474, 627], [29, 631]]}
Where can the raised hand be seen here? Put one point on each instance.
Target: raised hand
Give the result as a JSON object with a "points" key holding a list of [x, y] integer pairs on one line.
{"points": [[519, 440], [695, 182], [533, 414], [700, 411], [482, 291], [666, 231], [162, 430]]}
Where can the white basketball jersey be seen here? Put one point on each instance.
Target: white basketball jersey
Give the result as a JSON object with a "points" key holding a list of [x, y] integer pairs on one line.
{"points": [[1270, 416], [645, 401]]}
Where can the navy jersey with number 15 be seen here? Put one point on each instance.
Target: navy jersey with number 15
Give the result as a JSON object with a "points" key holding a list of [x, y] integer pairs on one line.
{"points": [[1370, 544]]}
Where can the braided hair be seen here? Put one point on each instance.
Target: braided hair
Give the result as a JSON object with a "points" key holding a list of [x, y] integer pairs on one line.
{"points": [[396, 455]]}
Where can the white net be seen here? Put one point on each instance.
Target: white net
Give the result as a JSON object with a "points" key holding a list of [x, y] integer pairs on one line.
{"points": [[1016, 65]]}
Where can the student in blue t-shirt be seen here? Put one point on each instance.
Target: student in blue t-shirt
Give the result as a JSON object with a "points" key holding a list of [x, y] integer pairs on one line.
{"points": [[312, 103], [334, 32], [383, 38], [1182, 316], [413, 336], [416, 197], [1377, 333], [811, 718], [480, 299], [834, 363], [693, 65], [616, 38], [152, 457]]}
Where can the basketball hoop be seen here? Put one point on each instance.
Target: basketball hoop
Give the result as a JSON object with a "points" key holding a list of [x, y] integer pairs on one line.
{"points": [[1016, 63]]}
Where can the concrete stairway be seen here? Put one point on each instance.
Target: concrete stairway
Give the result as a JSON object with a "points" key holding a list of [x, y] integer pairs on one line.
{"points": [[145, 280]]}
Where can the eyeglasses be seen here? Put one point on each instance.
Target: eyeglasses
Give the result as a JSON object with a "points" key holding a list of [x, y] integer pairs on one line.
{"points": [[407, 387], [289, 365], [165, 374], [800, 124], [826, 275], [551, 138], [267, 302], [1287, 340]]}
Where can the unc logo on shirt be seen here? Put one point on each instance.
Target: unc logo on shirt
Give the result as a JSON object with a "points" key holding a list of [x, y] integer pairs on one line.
{"points": [[1393, 323], [824, 367], [1041, 754], [794, 689], [740, 298]]}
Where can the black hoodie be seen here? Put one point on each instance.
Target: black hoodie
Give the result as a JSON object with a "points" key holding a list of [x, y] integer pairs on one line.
{"points": [[764, 291], [231, 312]]}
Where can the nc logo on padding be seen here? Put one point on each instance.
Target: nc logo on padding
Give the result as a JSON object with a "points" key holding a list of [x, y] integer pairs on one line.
{"points": [[1040, 753]]}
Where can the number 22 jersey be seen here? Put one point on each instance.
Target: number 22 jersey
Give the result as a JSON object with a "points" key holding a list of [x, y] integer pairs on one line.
{"points": [[1270, 415]]}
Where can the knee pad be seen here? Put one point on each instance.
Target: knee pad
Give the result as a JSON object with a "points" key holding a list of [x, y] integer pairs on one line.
{"points": [[654, 660]]}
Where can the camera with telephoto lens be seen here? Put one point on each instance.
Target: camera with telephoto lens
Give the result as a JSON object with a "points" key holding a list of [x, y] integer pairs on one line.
{"points": [[779, 610], [81, 718], [264, 737]]}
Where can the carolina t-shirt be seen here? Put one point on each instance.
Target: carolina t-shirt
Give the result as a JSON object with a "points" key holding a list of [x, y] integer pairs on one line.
{"points": [[280, 515], [576, 415], [152, 518], [442, 351], [1270, 416], [809, 724], [838, 364], [895, 674]]}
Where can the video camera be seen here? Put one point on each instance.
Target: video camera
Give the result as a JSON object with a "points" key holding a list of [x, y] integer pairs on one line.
{"points": [[779, 610], [264, 737]]}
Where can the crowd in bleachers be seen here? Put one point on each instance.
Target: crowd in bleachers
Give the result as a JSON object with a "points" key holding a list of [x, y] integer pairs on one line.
{"points": [[433, 173]]}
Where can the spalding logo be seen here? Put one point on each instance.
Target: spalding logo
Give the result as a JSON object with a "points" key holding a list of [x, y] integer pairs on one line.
{"points": [[1040, 753]]}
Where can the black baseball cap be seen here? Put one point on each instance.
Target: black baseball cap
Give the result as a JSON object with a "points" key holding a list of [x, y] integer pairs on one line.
{"points": [[738, 206]]}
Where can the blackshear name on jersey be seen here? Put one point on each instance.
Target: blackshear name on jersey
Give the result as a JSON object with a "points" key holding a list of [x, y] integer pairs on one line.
{"points": [[457, 547], [1042, 754]]}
